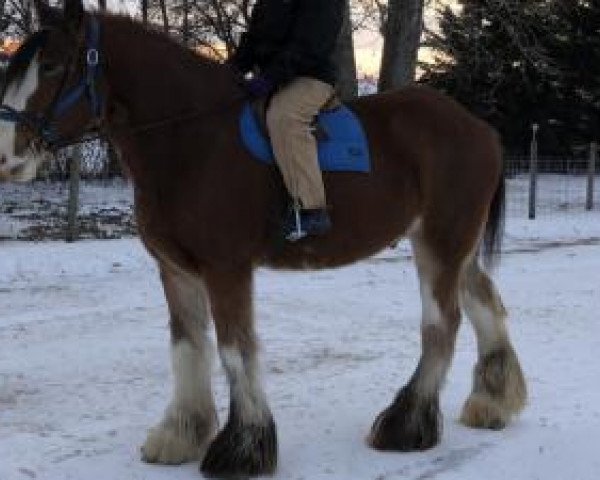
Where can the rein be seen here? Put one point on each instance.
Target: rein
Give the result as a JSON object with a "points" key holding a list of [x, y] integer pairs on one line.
{"points": [[145, 127]]}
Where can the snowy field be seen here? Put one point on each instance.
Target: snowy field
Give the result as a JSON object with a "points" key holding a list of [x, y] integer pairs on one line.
{"points": [[84, 362], [38, 210]]}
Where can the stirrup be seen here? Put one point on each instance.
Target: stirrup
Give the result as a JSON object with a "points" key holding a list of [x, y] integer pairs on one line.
{"points": [[298, 233]]}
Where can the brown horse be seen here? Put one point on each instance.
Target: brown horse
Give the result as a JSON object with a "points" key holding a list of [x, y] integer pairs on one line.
{"points": [[207, 212]]}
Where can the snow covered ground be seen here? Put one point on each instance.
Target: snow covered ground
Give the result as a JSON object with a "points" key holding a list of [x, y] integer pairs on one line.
{"points": [[84, 362], [38, 210]]}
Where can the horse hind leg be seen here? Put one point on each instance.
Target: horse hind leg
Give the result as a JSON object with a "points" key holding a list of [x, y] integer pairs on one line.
{"points": [[190, 420], [414, 421], [499, 388]]}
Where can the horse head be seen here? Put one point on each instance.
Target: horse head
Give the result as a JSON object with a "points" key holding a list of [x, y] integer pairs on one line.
{"points": [[50, 95]]}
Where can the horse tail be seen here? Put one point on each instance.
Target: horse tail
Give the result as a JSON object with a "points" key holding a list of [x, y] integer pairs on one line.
{"points": [[494, 229]]}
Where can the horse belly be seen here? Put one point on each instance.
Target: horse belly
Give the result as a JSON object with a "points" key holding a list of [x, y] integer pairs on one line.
{"points": [[367, 217]]}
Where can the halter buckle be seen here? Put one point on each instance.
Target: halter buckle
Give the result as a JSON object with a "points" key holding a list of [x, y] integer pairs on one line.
{"points": [[92, 57]]}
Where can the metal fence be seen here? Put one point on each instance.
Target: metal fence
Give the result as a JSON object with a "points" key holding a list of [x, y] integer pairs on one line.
{"points": [[537, 187], [551, 185], [94, 162]]}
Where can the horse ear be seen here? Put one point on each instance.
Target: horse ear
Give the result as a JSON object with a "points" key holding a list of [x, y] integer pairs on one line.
{"points": [[73, 13], [47, 16]]}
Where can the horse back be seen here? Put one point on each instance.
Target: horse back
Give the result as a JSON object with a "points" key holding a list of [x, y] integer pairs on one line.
{"points": [[431, 160]]}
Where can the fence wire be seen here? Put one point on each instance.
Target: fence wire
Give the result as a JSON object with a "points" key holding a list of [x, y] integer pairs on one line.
{"points": [[561, 186], [94, 159]]}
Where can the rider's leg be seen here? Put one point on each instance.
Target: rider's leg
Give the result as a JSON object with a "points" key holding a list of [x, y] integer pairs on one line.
{"points": [[289, 119]]}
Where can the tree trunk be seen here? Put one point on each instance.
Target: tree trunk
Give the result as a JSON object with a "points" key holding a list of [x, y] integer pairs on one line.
{"points": [[402, 37], [347, 84], [73, 205], [185, 27], [144, 8], [165, 16], [112, 164], [28, 18], [102, 5]]}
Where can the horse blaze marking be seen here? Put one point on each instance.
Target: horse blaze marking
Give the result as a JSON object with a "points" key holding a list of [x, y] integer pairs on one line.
{"points": [[17, 94]]}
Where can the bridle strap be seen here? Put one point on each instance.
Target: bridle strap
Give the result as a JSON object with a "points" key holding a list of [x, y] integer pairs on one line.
{"points": [[43, 125], [87, 87]]}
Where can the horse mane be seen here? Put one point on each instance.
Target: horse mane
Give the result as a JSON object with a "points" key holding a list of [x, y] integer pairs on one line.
{"points": [[21, 59], [154, 34]]}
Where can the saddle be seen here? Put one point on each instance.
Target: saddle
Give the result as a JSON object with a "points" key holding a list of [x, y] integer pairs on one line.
{"points": [[341, 141], [261, 105]]}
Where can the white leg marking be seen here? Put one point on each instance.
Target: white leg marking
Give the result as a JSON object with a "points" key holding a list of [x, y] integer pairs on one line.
{"points": [[427, 271], [432, 315], [189, 423], [191, 372], [190, 419], [434, 365], [246, 391], [414, 227], [490, 328], [431, 380]]}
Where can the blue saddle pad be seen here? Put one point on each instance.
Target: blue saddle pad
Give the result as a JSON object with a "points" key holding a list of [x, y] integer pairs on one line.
{"points": [[345, 149]]}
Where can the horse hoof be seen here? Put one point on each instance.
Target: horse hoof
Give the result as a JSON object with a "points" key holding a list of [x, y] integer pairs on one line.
{"points": [[481, 411], [410, 423], [242, 451], [499, 391], [177, 439], [167, 448]]}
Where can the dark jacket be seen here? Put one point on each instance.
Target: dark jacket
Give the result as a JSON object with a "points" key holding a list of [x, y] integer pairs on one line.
{"points": [[292, 38]]}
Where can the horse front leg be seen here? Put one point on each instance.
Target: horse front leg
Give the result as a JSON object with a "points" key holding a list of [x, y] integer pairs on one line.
{"points": [[190, 420], [247, 445], [413, 421]]}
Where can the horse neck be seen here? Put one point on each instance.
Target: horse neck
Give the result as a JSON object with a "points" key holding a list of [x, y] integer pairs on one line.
{"points": [[153, 79]]}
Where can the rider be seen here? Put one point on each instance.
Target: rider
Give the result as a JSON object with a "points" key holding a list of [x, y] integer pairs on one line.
{"points": [[289, 47]]}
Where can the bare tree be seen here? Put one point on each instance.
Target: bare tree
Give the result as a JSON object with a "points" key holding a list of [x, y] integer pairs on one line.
{"points": [[221, 20], [213, 24], [16, 18], [347, 83], [402, 28], [164, 14], [144, 9]]}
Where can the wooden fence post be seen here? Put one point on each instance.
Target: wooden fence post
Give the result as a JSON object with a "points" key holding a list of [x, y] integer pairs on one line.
{"points": [[533, 168], [589, 199], [73, 205]]}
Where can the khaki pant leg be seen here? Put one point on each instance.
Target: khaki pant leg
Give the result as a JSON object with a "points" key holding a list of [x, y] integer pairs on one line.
{"points": [[290, 114]]}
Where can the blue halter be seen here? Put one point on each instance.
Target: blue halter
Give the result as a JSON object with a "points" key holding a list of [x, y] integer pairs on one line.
{"points": [[43, 125]]}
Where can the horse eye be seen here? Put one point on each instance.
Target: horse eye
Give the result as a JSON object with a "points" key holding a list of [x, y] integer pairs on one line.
{"points": [[51, 69]]}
